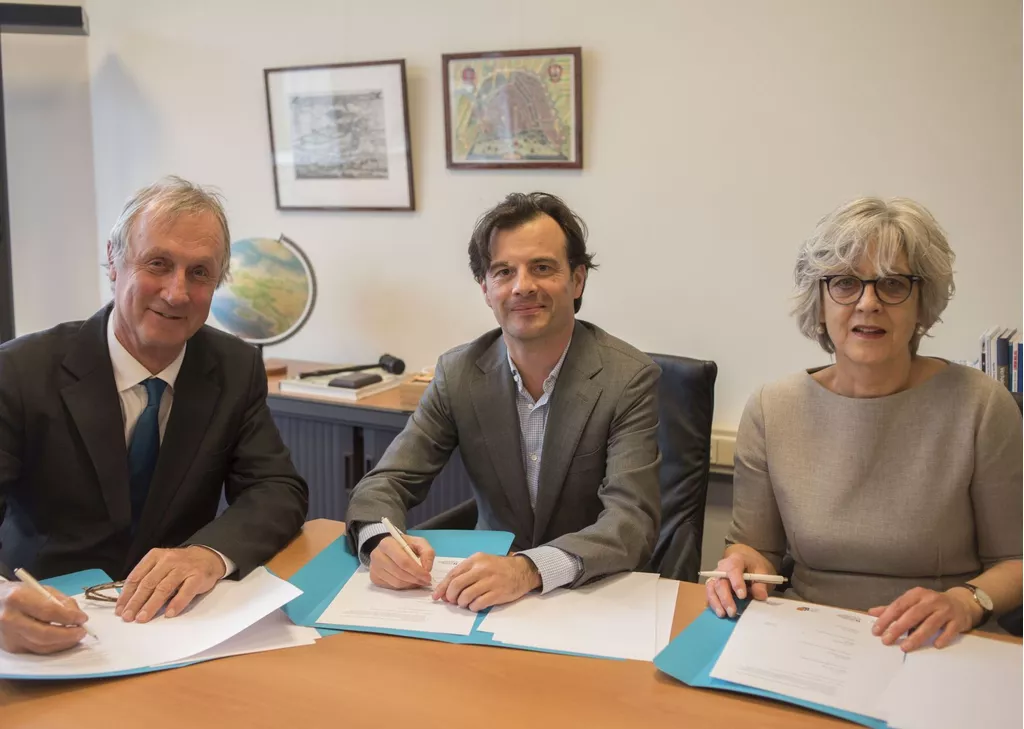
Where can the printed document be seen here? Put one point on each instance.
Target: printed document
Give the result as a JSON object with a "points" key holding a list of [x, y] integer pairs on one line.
{"points": [[819, 654], [227, 610], [362, 604]]}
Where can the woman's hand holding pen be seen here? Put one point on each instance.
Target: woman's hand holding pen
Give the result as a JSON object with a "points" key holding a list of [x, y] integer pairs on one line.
{"points": [[721, 590]]}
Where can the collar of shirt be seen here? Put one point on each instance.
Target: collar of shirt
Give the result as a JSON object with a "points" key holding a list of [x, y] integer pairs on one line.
{"points": [[128, 371], [549, 381]]}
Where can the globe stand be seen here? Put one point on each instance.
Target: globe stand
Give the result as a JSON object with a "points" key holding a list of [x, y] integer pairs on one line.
{"points": [[273, 366]]}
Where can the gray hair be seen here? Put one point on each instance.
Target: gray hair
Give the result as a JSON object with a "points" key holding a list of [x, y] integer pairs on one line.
{"points": [[167, 199], [880, 230]]}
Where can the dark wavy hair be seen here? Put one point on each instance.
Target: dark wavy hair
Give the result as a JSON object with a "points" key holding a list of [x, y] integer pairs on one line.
{"points": [[519, 208]]}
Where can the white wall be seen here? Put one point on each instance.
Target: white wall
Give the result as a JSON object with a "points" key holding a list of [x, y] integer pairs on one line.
{"points": [[716, 134], [48, 121]]}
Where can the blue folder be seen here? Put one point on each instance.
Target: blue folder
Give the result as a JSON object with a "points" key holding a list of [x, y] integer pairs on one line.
{"points": [[76, 582], [73, 584], [322, 578], [692, 655]]}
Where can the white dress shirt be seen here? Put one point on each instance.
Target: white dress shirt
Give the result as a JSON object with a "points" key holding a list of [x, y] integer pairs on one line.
{"points": [[129, 374]]}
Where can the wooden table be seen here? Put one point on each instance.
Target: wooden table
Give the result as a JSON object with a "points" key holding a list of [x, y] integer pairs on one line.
{"points": [[363, 680]]}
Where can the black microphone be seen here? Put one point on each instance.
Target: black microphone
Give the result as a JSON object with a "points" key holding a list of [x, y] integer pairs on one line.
{"points": [[387, 362]]}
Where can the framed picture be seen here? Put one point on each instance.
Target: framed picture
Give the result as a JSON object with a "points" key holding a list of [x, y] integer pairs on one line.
{"points": [[339, 136], [510, 109]]}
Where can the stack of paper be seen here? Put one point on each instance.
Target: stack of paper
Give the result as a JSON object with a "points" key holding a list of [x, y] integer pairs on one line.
{"points": [[617, 617], [200, 633], [818, 654], [271, 633], [976, 682], [826, 659], [361, 604]]}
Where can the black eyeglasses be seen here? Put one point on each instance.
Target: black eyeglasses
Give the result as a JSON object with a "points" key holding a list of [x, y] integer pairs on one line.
{"points": [[845, 289], [107, 592]]}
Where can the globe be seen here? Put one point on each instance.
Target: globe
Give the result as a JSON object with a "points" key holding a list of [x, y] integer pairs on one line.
{"points": [[270, 293]]}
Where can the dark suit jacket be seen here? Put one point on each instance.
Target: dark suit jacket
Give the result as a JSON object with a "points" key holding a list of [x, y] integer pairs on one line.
{"points": [[598, 496], [64, 464]]}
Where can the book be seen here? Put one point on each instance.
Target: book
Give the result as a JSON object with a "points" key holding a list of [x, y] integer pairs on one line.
{"points": [[1020, 366], [1002, 347], [987, 360], [320, 386], [1015, 382]]}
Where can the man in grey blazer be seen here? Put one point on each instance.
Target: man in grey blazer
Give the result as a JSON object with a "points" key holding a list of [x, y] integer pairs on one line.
{"points": [[556, 421]]}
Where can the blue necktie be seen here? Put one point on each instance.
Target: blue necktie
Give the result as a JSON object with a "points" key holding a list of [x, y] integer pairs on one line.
{"points": [[144, 448]]}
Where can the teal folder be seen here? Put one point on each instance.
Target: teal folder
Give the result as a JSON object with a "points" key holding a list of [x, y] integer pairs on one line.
{"points": [[692, 655], [74, 584], [322, 578]]}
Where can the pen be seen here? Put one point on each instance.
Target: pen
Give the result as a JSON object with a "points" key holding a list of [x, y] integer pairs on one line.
{"points": [[31, 581], [400, 539], [749, 577]]}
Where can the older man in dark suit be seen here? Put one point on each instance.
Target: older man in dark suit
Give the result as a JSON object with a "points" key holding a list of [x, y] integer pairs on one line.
{"points": [[118, 433], [556, 421]]}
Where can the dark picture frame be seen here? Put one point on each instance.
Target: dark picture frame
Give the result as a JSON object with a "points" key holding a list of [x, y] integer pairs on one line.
{"points": [[514, 109], [339, 136]]}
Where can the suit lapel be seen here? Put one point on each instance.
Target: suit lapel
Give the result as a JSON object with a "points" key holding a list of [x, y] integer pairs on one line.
{"points": [[195, 398], [572, 402], [493, 394], [93, 404]]}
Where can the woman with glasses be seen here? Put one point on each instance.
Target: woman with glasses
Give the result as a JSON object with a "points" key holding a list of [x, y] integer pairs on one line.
{"points": [[892, 481]]}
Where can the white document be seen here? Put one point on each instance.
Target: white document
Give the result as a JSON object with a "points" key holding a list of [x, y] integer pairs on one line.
{"points": [[614, 617], [274, 632], [810, 652], [668, 592], [362, 604], [225, 611], [976, 682]]}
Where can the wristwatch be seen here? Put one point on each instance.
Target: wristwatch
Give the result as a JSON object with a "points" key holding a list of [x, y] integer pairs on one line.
{"points": [[981, 597]]}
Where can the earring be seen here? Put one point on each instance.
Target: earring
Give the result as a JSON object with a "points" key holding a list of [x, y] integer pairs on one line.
{"points": [[919, 329], [820, 329]]}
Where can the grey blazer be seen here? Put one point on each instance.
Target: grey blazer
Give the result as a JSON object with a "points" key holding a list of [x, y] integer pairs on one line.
{"points": [[598, 495]]}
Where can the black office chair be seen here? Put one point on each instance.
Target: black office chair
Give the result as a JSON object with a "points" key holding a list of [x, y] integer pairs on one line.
{"points": [[686, 397], [686, 408]]}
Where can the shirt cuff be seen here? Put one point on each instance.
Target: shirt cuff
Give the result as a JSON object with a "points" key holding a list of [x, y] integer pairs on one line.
{"points": [[557, 568], [229, 565], [373, 529]]}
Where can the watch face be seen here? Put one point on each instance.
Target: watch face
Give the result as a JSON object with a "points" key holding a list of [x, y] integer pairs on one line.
{"points": [[983, 599]]}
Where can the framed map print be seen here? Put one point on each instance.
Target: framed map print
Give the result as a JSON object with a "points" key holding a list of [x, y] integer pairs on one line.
{"points": [[339, 136], [511, 109]]}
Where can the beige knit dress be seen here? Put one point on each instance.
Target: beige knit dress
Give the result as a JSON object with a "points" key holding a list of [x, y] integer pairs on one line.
{"points": [[874, 496]]}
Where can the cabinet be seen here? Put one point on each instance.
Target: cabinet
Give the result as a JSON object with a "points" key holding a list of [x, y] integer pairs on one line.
{"points": [[334, 444]]}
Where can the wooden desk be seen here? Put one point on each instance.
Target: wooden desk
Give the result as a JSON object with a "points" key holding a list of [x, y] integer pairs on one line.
{"points": [[362, 680], [334, 443], [387, 401]]}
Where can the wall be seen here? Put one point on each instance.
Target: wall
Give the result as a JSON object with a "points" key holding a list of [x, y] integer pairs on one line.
{"points": [[48, 119], [716, 134]]}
